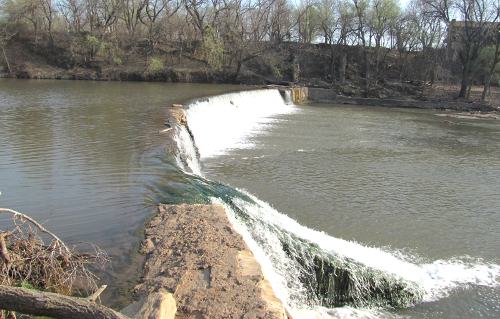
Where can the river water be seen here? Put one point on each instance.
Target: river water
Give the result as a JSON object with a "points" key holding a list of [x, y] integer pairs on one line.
{"points": [[77, 156], [397, 198], [406, 181]]}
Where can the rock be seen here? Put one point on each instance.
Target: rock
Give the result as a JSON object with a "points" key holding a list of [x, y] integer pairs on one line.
{"points": [[147, 246], [158, 305]]}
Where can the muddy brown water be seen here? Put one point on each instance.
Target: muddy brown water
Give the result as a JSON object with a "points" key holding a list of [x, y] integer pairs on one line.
{"points": [[77, 155]]}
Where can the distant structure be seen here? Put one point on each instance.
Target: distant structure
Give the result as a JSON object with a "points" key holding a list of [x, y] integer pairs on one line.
{"points": [[458, 29]]}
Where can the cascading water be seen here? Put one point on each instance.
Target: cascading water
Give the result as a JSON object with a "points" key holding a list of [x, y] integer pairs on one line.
{"points": [[187, 157], [228, 121], [310, 271]]}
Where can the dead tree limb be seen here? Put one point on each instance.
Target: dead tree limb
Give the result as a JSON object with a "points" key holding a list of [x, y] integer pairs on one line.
{"points": [[49, 304], [22, 216], [96, 294], [4, 252]]}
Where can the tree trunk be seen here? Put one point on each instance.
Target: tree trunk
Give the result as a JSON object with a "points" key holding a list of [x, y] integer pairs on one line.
{"points": [[464, 84], [332, 64], [401, 65], [6, 60], [489, 77], [469, 88], [366, 72], [486, 89], [342, 66], [49, 304], [434, 66], [238, 66], [296, 70], [377, 61]]}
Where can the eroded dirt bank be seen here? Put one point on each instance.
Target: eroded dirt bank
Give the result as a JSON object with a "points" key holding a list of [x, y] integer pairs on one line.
{"points": [[193, 252]]}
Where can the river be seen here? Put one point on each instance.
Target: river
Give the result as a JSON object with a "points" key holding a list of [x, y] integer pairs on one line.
{"points": [[407, 181], [78, 156], [402, 193]]}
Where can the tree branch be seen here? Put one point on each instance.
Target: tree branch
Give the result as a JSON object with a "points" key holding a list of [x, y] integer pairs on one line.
{"points": [[49, 304], [22, 216]]}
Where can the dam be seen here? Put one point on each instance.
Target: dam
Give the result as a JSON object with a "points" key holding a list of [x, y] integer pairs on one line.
{"points": [[309, 270]]}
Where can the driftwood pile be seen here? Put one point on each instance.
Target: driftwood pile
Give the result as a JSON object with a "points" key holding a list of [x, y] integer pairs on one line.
{"points": [[39, 273]]}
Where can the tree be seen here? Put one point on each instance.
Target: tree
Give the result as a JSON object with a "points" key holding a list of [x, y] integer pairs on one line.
{"points": [[360, 8], [383, 17], [345, 29], [131, 14], [493, 56], [49, 11], [406, 33], [19, 11], [478, 17], [153, 9], [5, 36], [429, 28], [280, 21], [307, 22], [328, 16], [73, 13]]}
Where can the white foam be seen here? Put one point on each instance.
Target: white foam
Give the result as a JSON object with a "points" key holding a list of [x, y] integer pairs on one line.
{"points": [[284, 278], [301, 150], [227, 121], [437, 278], [187, 151], [341, 313], [442, 276]]}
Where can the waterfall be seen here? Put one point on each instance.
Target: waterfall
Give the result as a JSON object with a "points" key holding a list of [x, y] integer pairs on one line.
{"points": [[228, 121], [187, 156], [287, 96], [312, 272]]}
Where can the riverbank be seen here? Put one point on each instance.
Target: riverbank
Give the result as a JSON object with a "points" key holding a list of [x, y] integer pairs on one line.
{"points": [[319, 95], [286, 64], [329, 96]]}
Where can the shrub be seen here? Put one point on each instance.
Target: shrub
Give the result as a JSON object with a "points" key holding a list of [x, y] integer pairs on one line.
{"points": [[155, 64]]}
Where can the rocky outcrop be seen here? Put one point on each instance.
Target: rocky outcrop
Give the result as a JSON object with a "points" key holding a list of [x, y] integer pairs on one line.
{"points": [[193, 252]]}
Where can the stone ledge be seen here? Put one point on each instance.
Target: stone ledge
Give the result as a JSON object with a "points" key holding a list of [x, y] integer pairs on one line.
{"points": [[193, 252]]}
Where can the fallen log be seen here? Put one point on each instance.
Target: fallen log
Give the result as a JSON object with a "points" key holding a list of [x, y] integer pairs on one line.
{"points": [[49, 304]]}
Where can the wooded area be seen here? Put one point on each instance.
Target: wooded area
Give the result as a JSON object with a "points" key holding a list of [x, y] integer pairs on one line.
{"points": [[265, 40]]}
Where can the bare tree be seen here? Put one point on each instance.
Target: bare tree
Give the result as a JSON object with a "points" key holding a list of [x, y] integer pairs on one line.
{"points": [[153, 9], [384, 15], [5, 36], [131, 14], [280, 21], [307, 21], [478, 16], [49, 11], [73, 13], [360, 8], [495, 59]]}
